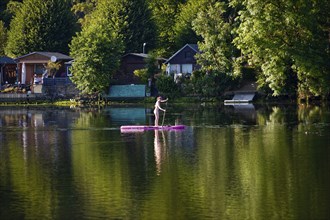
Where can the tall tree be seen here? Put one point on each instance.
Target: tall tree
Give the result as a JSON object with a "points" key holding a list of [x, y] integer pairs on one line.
{"points": [[140, 27], [183, 29], [289, 42], [7, 9], [164, 13], [215, 23], [82, 8], [98, 47], [3, 38], [3, 6], [41, 25]]}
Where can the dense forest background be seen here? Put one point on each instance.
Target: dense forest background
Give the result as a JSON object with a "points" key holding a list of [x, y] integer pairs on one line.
{"points": [[284, 43]]}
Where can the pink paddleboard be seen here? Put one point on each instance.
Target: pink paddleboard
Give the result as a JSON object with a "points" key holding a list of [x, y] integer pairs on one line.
{"points": [[140, 128]]}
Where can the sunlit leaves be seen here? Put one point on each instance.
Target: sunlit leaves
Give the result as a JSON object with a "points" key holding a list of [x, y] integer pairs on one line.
{"points": [[41, 26], [98, 48], [184, 33], [3, 38], [214, 26], [164, 14], [141, 27], [284, 39]]}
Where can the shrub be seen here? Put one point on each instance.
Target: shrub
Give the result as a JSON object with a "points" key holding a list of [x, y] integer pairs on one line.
{"points": [[142, 74], [167, 87]]}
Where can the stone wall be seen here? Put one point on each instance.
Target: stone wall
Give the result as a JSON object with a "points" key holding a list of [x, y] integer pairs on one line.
{"points": [[59, 88], [60, 91]]}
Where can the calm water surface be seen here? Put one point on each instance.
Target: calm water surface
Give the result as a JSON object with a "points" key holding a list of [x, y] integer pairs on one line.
{"points": [[242, 162]]}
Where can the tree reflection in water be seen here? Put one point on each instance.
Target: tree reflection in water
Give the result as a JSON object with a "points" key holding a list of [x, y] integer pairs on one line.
{"points": [[229, 163]]}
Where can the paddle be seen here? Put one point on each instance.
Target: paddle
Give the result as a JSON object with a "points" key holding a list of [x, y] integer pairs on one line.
{"points": [[164, 115]]}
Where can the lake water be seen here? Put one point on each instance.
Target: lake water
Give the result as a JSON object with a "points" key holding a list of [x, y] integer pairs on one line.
{"points": [[231, 162]]}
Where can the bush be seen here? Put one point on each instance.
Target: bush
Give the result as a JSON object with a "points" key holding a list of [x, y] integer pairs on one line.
{"points": [[142, 74], [167, 87], [207, 85]]}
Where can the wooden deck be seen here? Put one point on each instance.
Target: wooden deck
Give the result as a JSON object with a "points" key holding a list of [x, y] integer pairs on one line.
{"points": [[243, 95]]}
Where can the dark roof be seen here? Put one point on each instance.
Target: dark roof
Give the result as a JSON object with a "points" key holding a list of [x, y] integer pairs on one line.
{"points": [[7, 60], [143, 55], [59, 56], [192, 46], [195, 47]]}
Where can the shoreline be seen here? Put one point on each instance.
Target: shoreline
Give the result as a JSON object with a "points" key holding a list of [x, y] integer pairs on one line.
{"points": [[47, 102]]}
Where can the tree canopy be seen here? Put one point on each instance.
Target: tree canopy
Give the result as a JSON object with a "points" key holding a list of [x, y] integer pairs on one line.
{"points": [[3, 38], [140, 27], [289, 42], [216, 29], [286, 43], [41, 25], [165, 15], [183, 27], [7, 9], [98, 47]]}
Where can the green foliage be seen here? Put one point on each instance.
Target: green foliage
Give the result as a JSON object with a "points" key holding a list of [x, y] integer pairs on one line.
{"points": [[3, 38], [8, 9], [140, 26], [208, 85], [151, 69], [217, 48], [53, 67], [164, 13], [167, 87], [83, 9], [152, 65], [286, 42], [98, 48], [142, 74], [184, 33], [41, 25], [289, 42]]}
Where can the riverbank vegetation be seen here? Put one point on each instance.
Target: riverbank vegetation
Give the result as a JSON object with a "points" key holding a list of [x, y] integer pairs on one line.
{"points": [[285, 44]]}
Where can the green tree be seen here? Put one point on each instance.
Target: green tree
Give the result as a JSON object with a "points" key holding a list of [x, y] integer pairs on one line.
{"points": [[3, 38], [165, 16], [151, 69], [140, 27], [41, 25], [216, 24], [98, 48], [152, 65], [53, 67], [289, 42], [184, 32], [167, 87], [142, 74], [6, 7], [83, 8]]}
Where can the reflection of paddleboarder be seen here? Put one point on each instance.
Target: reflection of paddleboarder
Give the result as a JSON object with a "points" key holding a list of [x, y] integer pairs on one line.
{"points": [[160, 150], [157, 108]]}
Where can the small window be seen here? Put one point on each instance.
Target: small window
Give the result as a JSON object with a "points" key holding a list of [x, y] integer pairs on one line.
{"points": [[187, 68]]}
